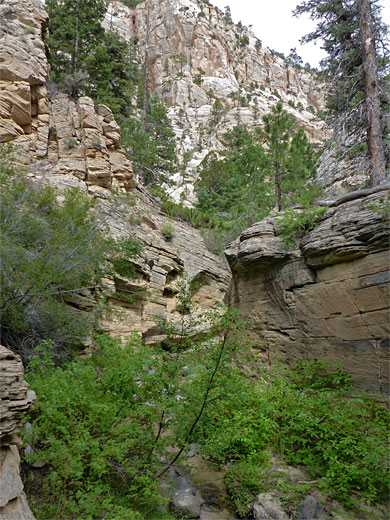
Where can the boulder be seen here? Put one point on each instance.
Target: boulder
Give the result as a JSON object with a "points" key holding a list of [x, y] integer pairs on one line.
{"points": [[184, 500], [267, 507]]}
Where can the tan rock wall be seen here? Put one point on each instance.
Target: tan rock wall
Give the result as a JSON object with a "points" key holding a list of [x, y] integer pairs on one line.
{"points": [[57, 135], [160, 268], [327, 298], [15, 401]]}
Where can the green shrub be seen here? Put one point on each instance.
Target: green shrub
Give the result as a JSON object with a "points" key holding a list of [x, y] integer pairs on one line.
{"points": [[90, 425], [244, 480], [168, 230], [294, 224], [306, 415], [51, 252], [103, 425]]}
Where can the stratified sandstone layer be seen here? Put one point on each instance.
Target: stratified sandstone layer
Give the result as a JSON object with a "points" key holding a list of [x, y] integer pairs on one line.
{"points": [[15, 401], [327, 297], [54, 133]]}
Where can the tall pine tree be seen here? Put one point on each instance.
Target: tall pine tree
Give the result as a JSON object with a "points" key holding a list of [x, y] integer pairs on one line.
{"points": [[344, 38], [85, 59]]}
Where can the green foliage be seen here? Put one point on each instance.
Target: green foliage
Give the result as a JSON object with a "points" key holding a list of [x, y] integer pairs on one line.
{"points": [[234, 186], [103, 425], [51, 252], [87, 59], [382, 209], [153, 151], [168, 230], [244, 41], [198, 79], [94, 428], [294, 223], [132, 3], [306, 415], [318, 374], [338, 31], [244, 480]]}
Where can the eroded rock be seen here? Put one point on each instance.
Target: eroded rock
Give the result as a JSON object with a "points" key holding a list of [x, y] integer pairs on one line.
{"points": [[15, 400], [327, 297], [267, 507]]}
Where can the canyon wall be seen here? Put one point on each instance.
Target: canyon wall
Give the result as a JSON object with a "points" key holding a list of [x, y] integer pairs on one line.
{"points": [[74, 144], [213, 75], [327, 297]]}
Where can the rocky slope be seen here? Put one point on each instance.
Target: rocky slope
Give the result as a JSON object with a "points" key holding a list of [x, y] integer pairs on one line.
{"points": [[213, 75], [327, 297], [15, 401]]}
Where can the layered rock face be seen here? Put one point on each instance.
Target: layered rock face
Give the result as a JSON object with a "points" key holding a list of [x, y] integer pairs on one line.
{"points": [[15, 401], [213, 74], [136, 302], [327, 297], [57, 134]]}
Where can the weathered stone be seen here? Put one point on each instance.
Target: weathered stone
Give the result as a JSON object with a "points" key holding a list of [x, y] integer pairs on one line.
{"points": [[310, 509], [15, 397], [15, 400], [327, 297], [11, 485], [267, 507], [184, 500]]}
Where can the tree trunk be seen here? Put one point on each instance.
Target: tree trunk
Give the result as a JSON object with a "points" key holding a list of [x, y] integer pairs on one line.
{"points": [[371, 94], [277, 185], [146, 67]]}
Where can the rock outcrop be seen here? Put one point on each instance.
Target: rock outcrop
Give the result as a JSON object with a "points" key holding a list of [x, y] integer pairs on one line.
{"points": [[213, 74], [54, 133], [15, 401], [327, 297]]}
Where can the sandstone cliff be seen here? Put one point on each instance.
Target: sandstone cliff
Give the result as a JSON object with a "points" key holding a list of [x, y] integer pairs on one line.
{"points": [[53, 134], [327, 297], [213, 75], [15, 401]]}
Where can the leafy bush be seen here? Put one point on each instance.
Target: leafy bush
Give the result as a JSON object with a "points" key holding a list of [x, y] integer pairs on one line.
{"points": [[103, 425], [51, 253], [168, 230], [94, 427], [244, 480], [307, 417]]}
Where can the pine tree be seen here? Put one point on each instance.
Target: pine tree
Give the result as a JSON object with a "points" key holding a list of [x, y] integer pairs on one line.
{"points": [[276, 135], [340, 31], [75, 32], [85, 59]]}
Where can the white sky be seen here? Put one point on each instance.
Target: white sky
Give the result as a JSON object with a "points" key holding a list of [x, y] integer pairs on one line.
{"points": [[274, 24]]}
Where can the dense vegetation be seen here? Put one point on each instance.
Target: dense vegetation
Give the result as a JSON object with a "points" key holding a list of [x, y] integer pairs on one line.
{"points": [[256, 171], [88, 60], [102, 426], [54, 258]]}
